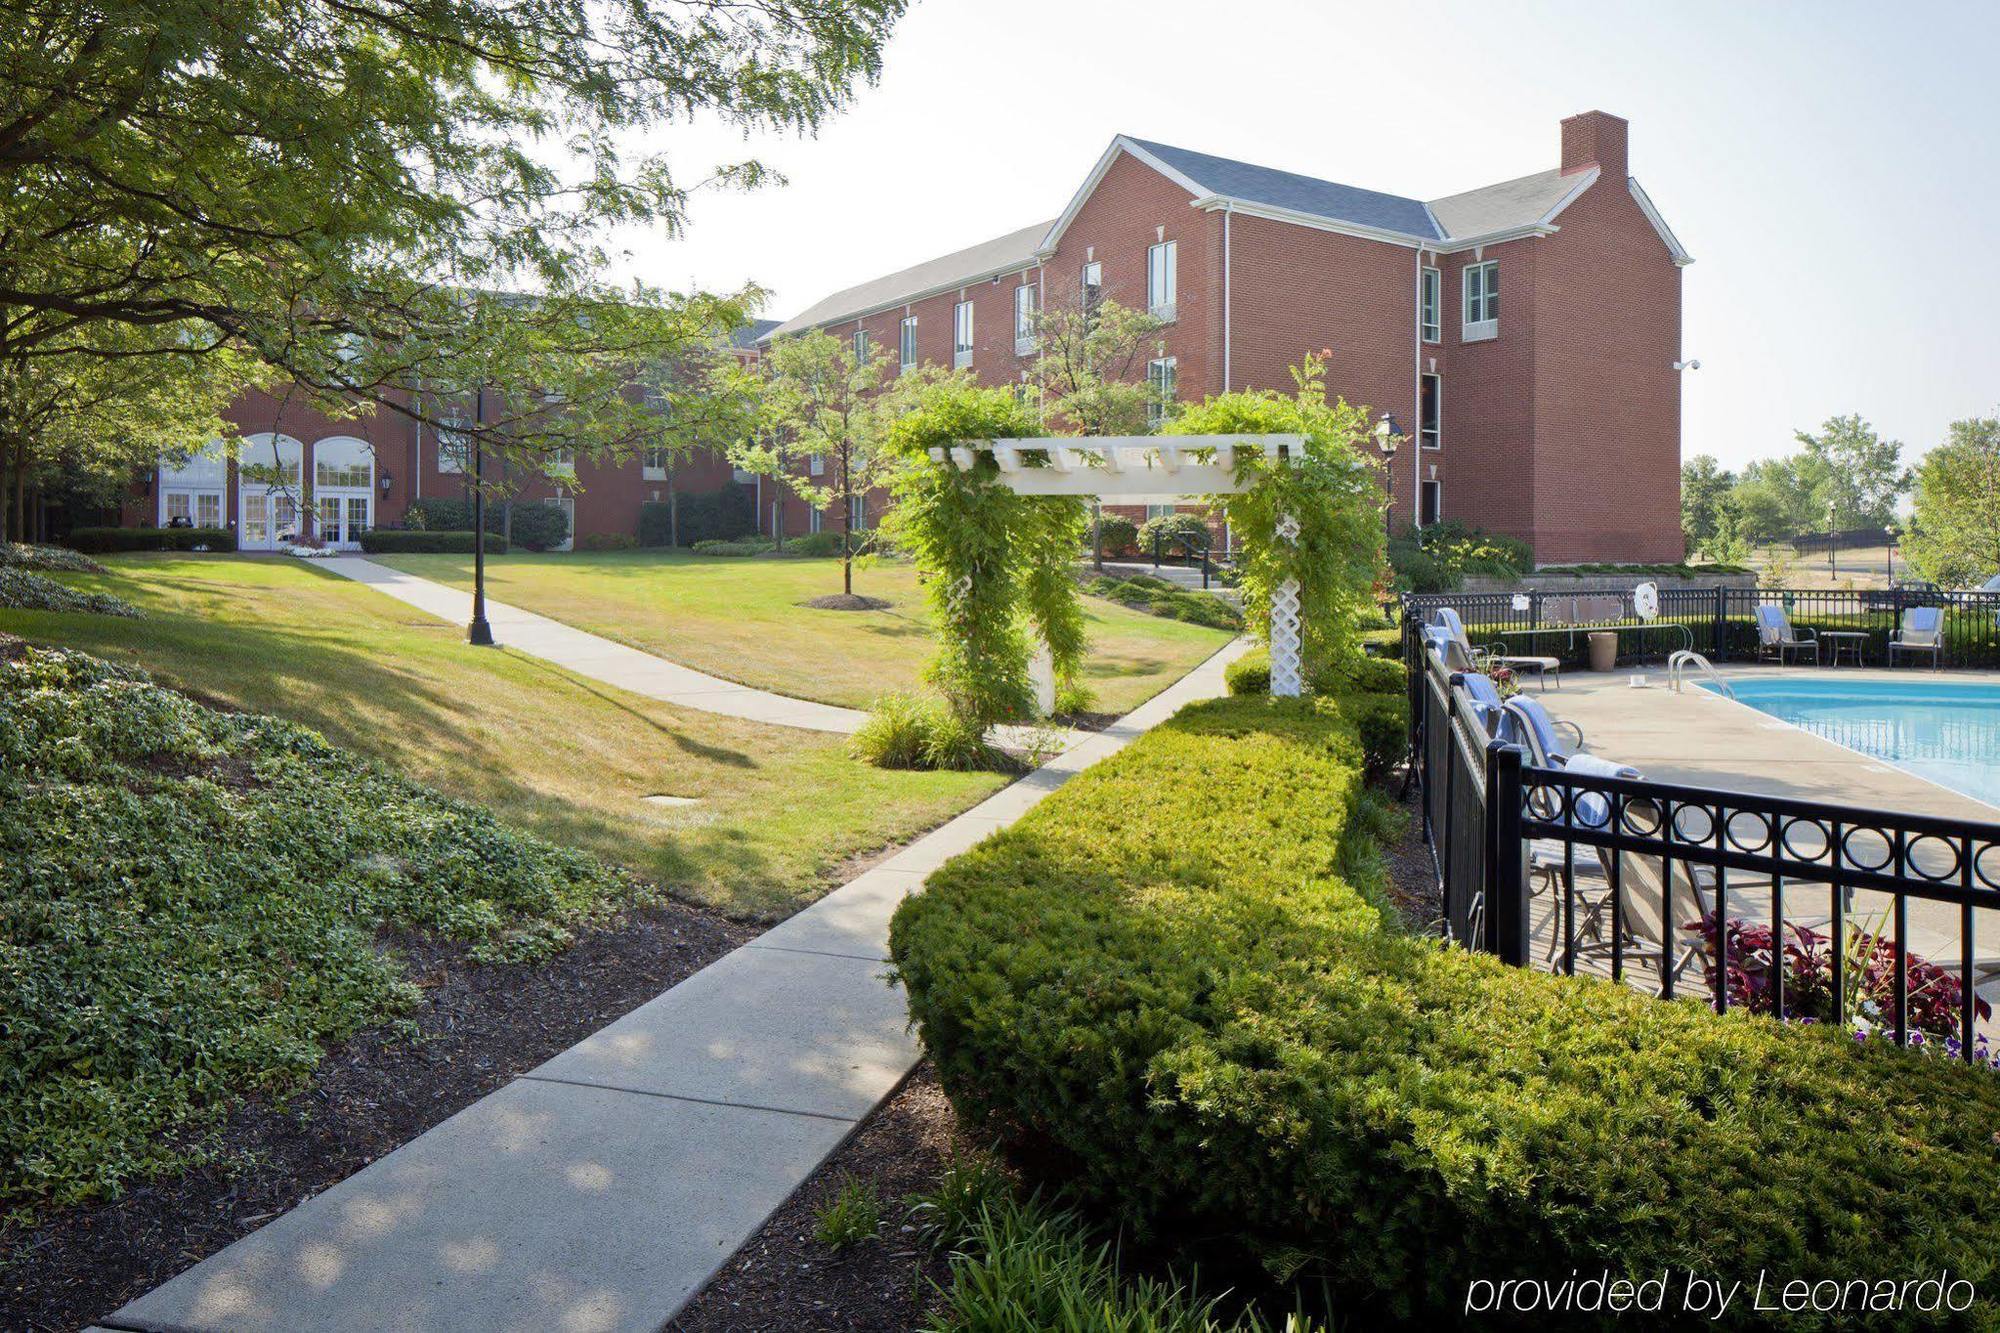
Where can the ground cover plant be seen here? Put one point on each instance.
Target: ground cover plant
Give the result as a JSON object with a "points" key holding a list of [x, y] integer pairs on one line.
{"points": [[22, 589], [778, 812], [25, 555], [1174, 987], [1158, 597], [192, 903], [746, 620]]}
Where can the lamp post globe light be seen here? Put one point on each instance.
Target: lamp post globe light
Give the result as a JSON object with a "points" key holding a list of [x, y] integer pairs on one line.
{"points": [[1889, 531], [1387, 438], [1832, 539]]}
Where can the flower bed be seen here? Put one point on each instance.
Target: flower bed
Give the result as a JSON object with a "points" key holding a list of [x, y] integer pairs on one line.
{"points": [[1170, 986]]}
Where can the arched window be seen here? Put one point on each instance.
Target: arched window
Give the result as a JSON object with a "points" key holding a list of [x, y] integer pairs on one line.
{"points": [[191, 489], [342, 460]]}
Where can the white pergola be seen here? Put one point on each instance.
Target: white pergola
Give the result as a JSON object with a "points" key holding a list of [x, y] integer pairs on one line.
{"points": [[1149, 469]]}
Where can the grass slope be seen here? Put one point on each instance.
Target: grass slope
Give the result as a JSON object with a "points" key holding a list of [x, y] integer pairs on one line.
{"points": [[742, 619], [779, 809]]}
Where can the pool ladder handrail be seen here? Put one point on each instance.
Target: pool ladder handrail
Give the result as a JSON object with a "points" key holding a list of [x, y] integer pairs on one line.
{"points": [[1687, 658]]}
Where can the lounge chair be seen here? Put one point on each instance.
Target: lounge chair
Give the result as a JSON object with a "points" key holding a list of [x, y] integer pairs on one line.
{"points": [[1922, 632], [1776, 636], [1526, 723], [1487, 704], [1446, 619]]}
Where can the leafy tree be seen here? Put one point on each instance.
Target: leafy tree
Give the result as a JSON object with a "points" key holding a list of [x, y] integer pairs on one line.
{"points": [[365, 195], [817, 430], [1954, 537], [1766, 504], [1703, 484], [1852, 473]]}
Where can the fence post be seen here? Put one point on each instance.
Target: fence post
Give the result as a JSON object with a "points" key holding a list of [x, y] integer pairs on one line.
{"points": [[1506, 856], [1721, 636]]}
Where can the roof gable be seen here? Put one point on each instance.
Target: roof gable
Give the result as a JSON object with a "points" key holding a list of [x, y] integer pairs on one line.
{"points": [[1288, 190], [1526, 201]]}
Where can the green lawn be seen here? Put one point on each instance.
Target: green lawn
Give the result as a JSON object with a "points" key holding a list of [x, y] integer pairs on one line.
{"points": [[744, 620], [779, 809]]}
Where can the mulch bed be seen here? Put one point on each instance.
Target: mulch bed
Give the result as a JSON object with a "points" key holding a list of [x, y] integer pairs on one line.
{"points": [[784, 1279], [1413, 885], [480, 1026], [847, 601]]}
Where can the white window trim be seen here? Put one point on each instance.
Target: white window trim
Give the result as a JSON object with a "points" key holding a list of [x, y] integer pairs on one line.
{"points": [[1476, 330], [1421, 491], [961, 335], [1166, 385], [1430, 293], [650, 471], [861, 347], [1162, 297], [906, 342], [816, 465], [1438, 441], [1027, 304]]}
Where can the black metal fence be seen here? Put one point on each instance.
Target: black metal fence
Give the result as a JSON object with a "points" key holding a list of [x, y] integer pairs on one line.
{"points": [[1789, 908], [1720, 622]]}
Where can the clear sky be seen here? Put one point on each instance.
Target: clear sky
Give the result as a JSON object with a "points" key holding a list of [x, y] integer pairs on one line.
{"points": [[1833, 167]]}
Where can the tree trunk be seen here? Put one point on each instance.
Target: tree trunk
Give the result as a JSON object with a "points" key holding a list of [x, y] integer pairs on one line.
{"points": [[673, 512]]}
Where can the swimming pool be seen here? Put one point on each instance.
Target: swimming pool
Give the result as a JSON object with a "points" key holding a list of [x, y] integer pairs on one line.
{"points": [[1946, 731]]}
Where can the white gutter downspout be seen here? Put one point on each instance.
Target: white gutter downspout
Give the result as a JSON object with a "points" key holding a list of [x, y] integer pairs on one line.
{"points": [[1226, 210], [1417, 386]]}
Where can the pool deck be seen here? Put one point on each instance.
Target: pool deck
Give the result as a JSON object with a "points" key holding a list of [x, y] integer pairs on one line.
{"points": [[1700, 738]]}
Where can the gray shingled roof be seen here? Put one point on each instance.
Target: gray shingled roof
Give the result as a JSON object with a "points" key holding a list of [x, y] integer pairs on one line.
{"points": [[752, 333], [1515, 203], [1015, 249], [1301, 194]]}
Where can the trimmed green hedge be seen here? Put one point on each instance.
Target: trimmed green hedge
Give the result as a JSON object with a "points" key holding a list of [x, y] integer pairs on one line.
{"points": [[1376, 702], [100, 540], [397, 541], [1172, 986], [722, 515]]}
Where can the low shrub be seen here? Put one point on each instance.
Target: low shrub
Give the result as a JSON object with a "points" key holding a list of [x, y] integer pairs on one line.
{"points": [[917, 732], [1115, 535], [752, 546], [1172, 986], [1170, 529], [816, 545], [47, 559], [192, 904], [723, 515], [853, 1215], [1683, 570], [98, 541], [405, 541], [1142, 592], [607, 541], [447, 513], [1438, 557], [538, 527], [25, 590]]}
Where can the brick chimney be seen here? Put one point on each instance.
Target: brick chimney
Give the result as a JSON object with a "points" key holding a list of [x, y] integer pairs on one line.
{"points": [[1594, 139]]}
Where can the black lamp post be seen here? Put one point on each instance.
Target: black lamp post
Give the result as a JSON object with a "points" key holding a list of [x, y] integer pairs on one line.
{"points": [[1387, 437], [479, 632], [1890, 532], [1832, 542]]}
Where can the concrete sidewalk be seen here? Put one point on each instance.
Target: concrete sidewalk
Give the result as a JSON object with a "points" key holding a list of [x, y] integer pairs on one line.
{"points": [[598, 657], [600, 1190]]}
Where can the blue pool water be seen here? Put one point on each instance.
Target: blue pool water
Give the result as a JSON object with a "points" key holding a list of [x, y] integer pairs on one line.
{"points": [[1947, 731]]}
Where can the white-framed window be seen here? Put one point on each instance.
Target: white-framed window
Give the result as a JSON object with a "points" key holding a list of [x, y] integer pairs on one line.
{"points": [[1431, 303], [961, 335], [1161, 378], [908, 339], [1430, 509], [562, 462], [1026, 301], [179, 507], [816, 465], [1161, 511], [653, 463], [857, 513], [814, 518], [343, 461], [454, 446], [1092, 286], [861, 347], [208, 509], [1430, 412], [1162, 282], [1482, 300]]}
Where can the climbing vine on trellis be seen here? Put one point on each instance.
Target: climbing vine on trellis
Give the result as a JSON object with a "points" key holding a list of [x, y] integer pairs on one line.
{"points": [[995, 565], [1329, 490]]}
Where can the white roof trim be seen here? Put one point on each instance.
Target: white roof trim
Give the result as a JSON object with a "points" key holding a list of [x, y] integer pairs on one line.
{"points": [[1584, 181], [1314, 221], [1459, 244], [1674, 247], [1022, 266], [1119, 144]]}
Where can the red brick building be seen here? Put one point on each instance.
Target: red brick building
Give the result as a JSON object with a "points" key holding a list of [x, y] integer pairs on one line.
{"points": [[1554, 417]]}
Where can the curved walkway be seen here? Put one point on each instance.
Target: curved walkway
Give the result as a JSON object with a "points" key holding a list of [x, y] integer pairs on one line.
{"points": [[600, 658], [599, 1191]]}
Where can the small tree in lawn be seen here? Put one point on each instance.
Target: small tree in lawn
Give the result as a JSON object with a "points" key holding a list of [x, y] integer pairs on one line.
{"points": [[1089, 370], [1955, 530], [817, 410]]}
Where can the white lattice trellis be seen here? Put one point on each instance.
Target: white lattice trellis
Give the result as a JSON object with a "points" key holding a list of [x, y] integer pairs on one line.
{"points": [[1285, 682]]}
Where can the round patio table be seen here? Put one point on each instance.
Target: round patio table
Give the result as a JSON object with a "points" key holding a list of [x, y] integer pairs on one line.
{"points": [[1852, 640]]}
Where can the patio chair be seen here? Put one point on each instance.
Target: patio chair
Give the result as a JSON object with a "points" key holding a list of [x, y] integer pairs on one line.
{"points": [[1446, 619], [1451, 651], [1776, 636], [1527, 724], [1485, 695], [1922, 632]]}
